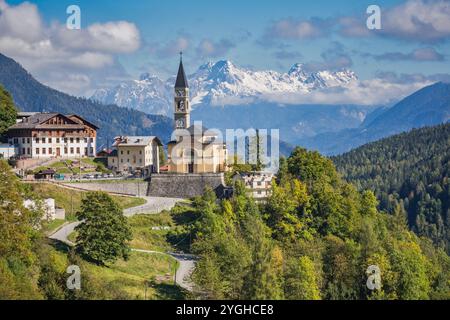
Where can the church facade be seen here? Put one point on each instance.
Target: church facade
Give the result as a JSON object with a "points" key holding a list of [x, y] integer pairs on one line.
{"points": [[194, 148]]}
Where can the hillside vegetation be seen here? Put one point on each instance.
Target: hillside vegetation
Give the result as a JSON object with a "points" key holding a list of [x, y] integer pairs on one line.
{"points": [[412, 170], [314, 239]]}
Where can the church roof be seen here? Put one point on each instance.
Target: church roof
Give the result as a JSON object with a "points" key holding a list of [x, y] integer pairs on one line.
{"points": [[181, 81]]}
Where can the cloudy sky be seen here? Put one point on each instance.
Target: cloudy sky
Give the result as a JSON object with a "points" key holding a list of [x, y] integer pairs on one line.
{"points": [[119, 40]]}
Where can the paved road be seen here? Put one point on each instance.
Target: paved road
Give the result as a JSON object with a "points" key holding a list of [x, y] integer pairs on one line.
{"points": [[187, 266], [153, 205], [186, 261], [64, 232]]}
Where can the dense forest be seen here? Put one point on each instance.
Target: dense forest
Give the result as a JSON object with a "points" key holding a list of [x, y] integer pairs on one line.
{"points": [[30, 95], [409, 169], [315, 238]]}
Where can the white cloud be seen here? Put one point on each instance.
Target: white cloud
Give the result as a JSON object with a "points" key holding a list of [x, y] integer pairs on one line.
{"points": [[22, 21], [420, 55], [353, 27], [112, 37], [50, 50], [172, 48], [209, 48], [418, 20], [291, 28], [365, 92]]}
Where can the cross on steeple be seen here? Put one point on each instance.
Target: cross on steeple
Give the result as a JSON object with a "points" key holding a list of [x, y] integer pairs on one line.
{"points": [[181, 81]]}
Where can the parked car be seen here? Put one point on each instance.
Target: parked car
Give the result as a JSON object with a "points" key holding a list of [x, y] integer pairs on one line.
{"points": [[59, 176]]}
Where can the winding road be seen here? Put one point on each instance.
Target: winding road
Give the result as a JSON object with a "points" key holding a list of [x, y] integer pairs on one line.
{"points": [[153, 206]]}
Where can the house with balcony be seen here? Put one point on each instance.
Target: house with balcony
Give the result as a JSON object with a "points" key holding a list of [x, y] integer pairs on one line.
{"points": [[52, 135]]}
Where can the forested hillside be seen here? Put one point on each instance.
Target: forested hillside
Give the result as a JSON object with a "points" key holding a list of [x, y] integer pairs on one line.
{"points": [[314, 239], [30, 95], [410, 169]]}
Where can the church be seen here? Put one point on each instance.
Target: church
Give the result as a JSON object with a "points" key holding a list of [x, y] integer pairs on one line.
{"points": [[193, 149]]}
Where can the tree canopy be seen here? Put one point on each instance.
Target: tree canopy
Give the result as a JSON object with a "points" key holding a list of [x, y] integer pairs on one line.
{"points": [[8, 111], [103, 232]]}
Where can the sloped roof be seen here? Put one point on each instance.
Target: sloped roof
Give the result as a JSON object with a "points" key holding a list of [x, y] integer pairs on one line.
{"points": [[136, 141], [181, 81], [38, 121], [81, 120]]}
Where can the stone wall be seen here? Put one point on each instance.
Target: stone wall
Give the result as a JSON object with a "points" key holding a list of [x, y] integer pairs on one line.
{"points": [[126, 188], [183, 185]]}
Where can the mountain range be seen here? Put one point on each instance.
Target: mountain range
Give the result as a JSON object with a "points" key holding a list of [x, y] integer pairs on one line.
{"points": [[330, 129], [224, 96], [426, 107], [219, 84]]}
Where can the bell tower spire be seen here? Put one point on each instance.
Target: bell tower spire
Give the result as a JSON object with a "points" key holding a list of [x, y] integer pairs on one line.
{"points": [[181, 99]]}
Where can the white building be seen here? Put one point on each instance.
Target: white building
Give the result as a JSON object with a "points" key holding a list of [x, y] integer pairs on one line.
{"points": [[52, 135], [7, 151], [258, 183], [49, 207], [135, 154]]}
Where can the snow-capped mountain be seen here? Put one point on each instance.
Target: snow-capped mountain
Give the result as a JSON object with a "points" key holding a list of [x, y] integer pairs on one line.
{"points": [[148, 94], [220, 83]]}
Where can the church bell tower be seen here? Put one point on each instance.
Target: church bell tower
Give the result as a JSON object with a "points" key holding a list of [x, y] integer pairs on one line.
{"points": [[181, 99]]}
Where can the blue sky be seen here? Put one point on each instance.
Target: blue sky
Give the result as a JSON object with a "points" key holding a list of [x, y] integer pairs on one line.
{"points": [[256, 34]]}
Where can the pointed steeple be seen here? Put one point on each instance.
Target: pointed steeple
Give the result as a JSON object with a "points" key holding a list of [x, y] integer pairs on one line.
{"points": [[181, 76]]}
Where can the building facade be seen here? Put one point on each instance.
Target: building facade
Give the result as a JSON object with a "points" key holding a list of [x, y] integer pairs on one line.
{"points": [[52, 135], [194, 149], [259, 184], [135, 155]]}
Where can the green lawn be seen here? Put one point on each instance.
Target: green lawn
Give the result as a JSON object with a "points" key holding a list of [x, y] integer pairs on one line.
{"points": [[146, 238], [51, 226], [70, 200], [143, 236], [142, 272], [62, 166], [132, 276]]}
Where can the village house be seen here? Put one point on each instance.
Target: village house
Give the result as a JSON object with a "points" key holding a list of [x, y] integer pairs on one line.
{"points": [[52, 135], [258, 183], [138, 155]]}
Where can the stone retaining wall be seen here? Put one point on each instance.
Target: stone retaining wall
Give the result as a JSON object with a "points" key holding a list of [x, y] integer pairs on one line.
{"points": [[183, 185], [126, 188]]}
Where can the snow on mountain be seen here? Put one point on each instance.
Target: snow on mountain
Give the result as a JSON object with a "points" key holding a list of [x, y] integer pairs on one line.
{"points": [[220, 83]]}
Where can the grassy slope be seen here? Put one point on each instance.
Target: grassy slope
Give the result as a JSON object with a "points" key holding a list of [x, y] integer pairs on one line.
{"points": [[143, 236], [64, 198], [89, 165], [146, 238], [129, 278]]}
